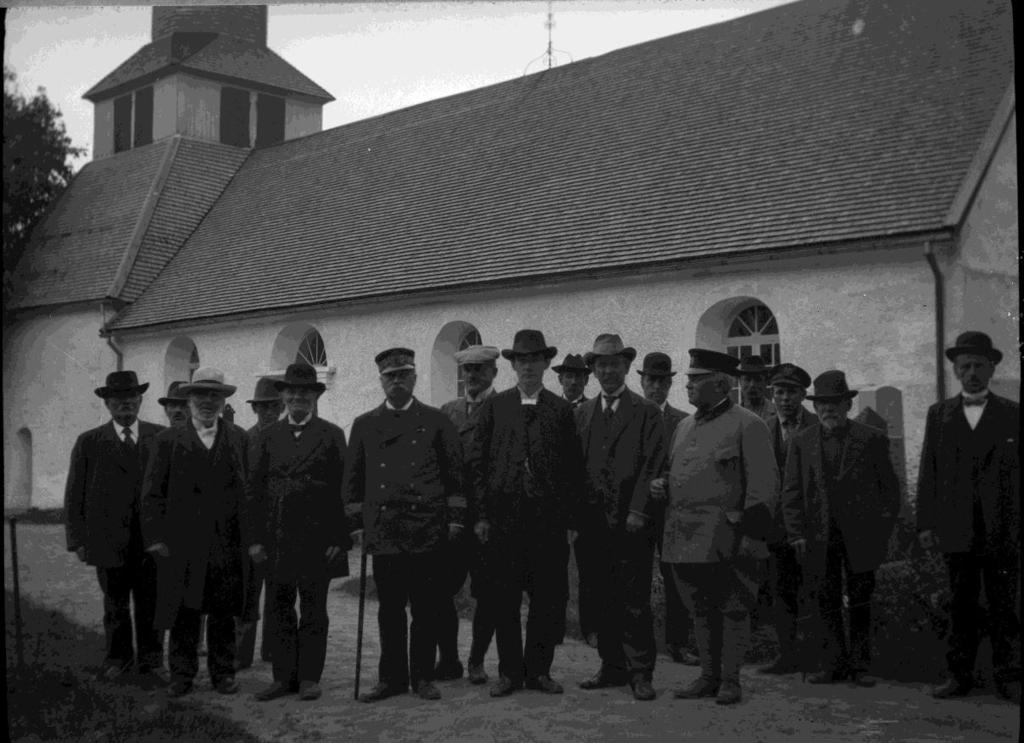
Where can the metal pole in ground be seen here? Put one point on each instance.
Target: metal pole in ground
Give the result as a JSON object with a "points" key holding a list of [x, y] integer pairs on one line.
{"points": [[18, 644], [359, 629]]}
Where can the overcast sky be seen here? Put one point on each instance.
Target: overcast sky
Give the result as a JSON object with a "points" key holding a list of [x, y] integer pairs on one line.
{"points": [[372, 57]]}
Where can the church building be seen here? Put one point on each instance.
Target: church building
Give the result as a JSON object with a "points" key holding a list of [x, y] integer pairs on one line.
{"points": [[828, 182]]}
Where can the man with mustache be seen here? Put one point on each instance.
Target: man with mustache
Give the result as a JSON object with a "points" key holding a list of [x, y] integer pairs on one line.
{"points": [[968, 507], [403, 474], [753, 375], [175, 405], [840, 500], [573, 375], [101, 507], [194, 522]]}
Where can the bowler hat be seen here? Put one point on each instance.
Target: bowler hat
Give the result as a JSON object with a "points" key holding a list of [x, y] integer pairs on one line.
{"points": [[831, 386], [395, 359], [476, 355], [657, 364], [208, 378], [705, 361], [122, 383], [753, 365], [572, 363], [265, 391], [791, 375], [974, 342], [608, 344], [300, 375], [527, 342], [174, 394]]}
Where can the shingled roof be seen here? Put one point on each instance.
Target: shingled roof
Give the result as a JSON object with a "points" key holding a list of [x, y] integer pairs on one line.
{"points": [[209, 55], [120, 221], [818, 122]]}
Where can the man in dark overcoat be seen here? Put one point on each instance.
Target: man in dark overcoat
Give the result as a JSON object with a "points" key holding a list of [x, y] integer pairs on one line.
{"points": [[573, 376], [267, 405], [193, 521], [175, 404], [622, 436], [299, 530], [403, 473], [464, 553], [968, 507], [101, 508], [840, 500], [527, 474], [656, 380], [788, 384]]}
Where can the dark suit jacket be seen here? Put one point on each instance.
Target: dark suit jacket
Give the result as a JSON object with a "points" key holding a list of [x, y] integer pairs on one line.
{"points": [[101, 498], [295, 501], [672, 417], [780, 448], [945, 488], [193, 500], [498, 456], [403, 473], [637, 448], [864, 505]]}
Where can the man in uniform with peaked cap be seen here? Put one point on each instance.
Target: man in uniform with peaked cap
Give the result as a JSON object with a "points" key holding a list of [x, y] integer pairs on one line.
{"points": [[968, 507], [721, 484], [101, 507], [403, 474]]}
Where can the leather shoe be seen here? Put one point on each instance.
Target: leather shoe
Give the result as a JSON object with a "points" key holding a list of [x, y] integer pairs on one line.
{"points": [[477, 674], [604, 678], [309, 690], [505, 686], [545, 684], [643, 691], [179, 689], [111, 672], [276, 690], [448, 671], [728, 693], [382, 691], [226, 685], [954, 687], [684, 655], [427, 690], [780, 665], [699, 689]]}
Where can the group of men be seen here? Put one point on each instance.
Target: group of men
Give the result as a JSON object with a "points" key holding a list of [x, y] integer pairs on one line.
{"points": [[500, 486]]}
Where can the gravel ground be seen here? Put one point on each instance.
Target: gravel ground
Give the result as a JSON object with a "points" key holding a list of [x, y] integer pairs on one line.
{"points": [[772, 709]]}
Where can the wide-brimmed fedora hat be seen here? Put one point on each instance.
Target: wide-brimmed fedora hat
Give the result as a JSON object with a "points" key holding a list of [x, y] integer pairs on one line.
{"points": [[300, 375], [572, 362], [122, 383], [476, 355], [207, 378], [608, 344], [974, 342], [265, 390], [753, 365], [527, 342], [706, 361], [395, 359], [657, 364], [791, 375], [831, 386], [174, 394]]}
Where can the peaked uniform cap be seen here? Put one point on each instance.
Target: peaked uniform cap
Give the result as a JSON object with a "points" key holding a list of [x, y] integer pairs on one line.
{"points": [[573, 362], [300, 375], [753, 365], [395, 359], [527, 342], [208, 378], [477, 355], [975, 342], [657, 364], [830, 386], [121, 382], [266, 390], [790, 374], [705, 361], [174, 393], [608, 344]]}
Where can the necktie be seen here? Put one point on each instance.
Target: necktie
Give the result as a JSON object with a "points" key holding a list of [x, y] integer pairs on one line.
{"points": [[128, 437], [296, 428], [470, 407], [609, 405], [968, 402]]}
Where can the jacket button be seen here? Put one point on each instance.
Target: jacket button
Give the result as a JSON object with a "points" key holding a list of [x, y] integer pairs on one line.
{"points": [[382, 465], [382, 486]]}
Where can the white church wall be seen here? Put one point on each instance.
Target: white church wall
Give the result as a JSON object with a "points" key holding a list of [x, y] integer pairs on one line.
{"points": [[198, 108], [103, 129], [165, 107], [52, 364]]}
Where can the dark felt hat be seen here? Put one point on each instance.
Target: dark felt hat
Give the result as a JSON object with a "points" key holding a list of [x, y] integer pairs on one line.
{"points": [[791, 375], [266, 390], [395, 359], [608, 344], [121, 383], [657, 364], [753, 365], [974, 342], [301, 375], [527, 342], [704, 361], [174, 394], [831, 386], [573, 363], [208, 378]]}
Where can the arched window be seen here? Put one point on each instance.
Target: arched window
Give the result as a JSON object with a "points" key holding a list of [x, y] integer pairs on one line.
{"points": [[311, 349], [470, 337], [753, 331], [193, 362], [180, 361]]}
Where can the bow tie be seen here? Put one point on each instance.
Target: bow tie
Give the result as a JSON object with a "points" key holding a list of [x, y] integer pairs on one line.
{"points": [[979, 401], [296, 427]]}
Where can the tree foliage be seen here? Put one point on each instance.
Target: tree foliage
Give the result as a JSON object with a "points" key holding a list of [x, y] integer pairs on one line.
{"points": [[36, 164]]}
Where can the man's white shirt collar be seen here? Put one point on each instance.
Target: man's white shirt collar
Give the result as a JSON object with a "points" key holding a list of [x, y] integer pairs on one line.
{"points": [[119, 429], [529, 399], [206, 435], [408, 405]]}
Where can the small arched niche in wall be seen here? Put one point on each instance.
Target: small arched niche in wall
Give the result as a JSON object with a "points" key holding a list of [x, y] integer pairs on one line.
{"points": [[446, 382]]}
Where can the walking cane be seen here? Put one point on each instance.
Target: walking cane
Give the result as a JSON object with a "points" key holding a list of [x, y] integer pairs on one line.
{"points": [[362, 608], [19, 647]]}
